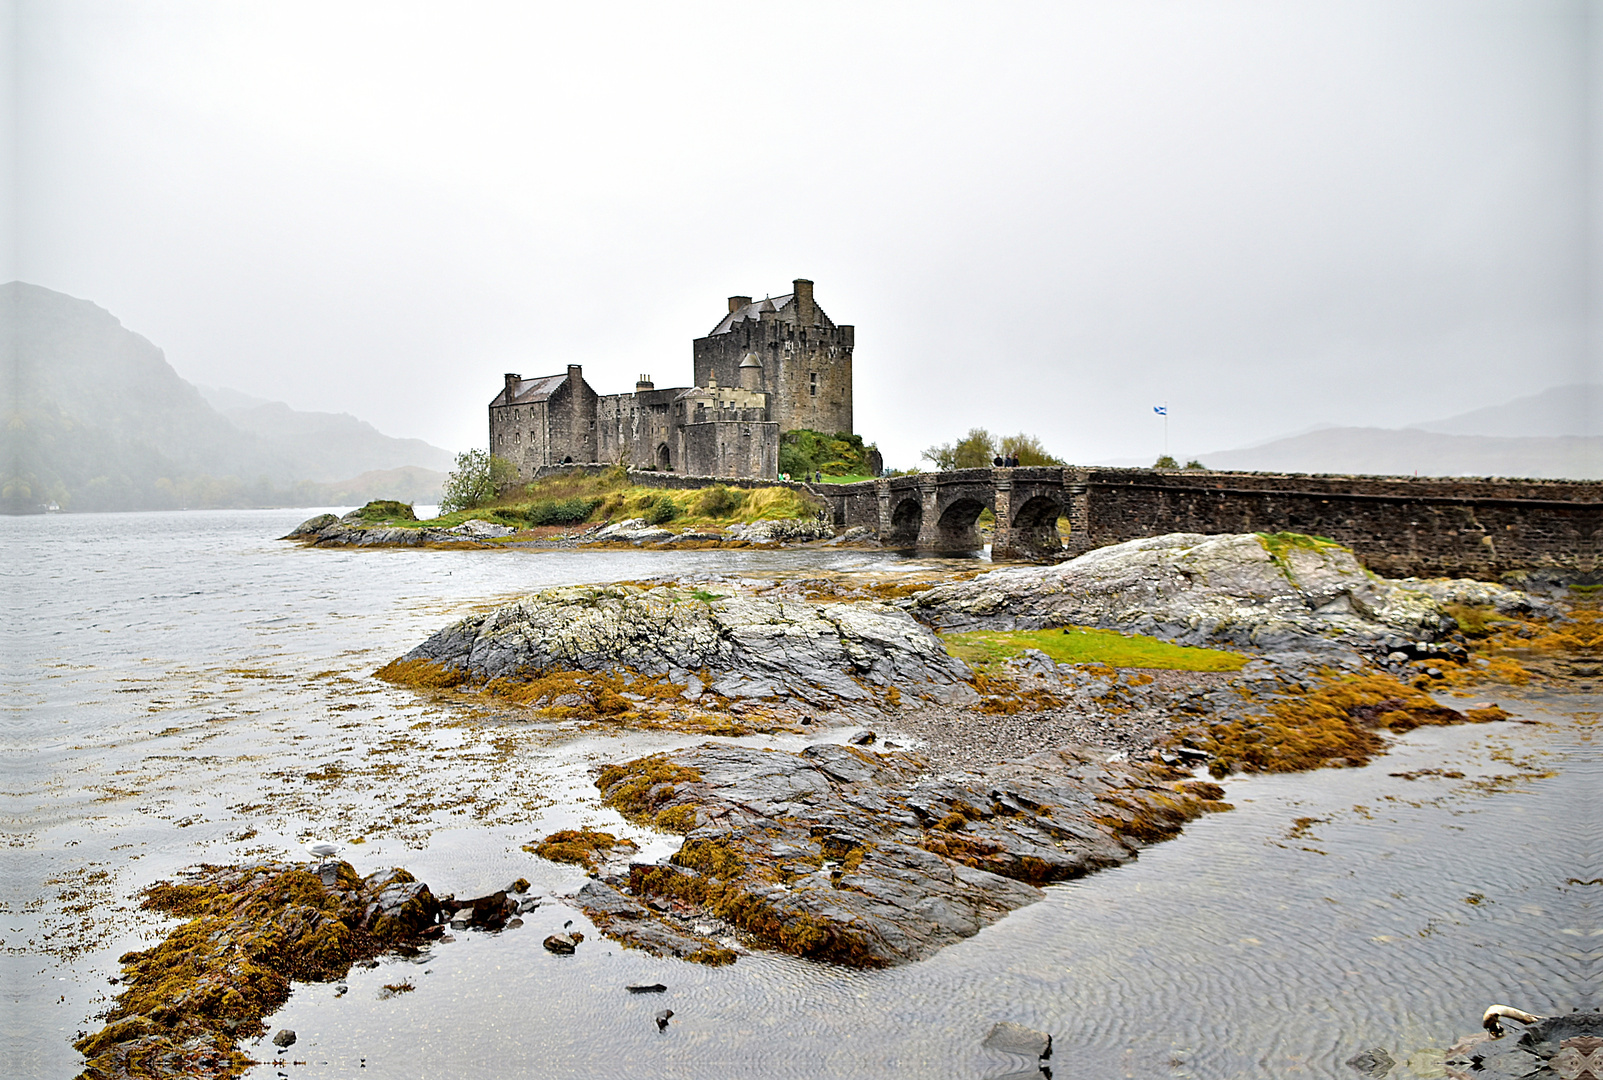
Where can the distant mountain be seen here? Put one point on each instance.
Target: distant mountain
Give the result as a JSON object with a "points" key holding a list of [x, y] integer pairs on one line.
{"points": [[1562, 410], [96, 419], [323, 446], [1385, 451]]}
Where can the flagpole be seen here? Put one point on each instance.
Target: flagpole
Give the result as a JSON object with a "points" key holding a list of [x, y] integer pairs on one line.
{"points": [[1166, 428]]}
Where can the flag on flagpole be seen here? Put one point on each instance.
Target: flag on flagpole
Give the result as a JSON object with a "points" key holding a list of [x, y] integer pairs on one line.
{"points": [[1161, 410]]}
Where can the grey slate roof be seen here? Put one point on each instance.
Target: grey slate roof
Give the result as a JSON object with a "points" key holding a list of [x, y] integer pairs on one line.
{"points": [[532, 390], [752, 310]]}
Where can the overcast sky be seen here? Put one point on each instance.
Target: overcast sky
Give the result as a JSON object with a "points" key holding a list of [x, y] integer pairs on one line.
{"points": [[1040, 217]]}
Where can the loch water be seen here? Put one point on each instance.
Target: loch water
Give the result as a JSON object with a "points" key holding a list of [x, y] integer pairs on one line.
{"points": [[183, 688]]}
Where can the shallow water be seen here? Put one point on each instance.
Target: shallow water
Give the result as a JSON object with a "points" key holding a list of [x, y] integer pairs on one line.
{"points": [[174, 681]]}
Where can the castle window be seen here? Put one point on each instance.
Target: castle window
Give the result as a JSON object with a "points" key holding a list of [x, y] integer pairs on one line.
{"points": [[815, 384]]}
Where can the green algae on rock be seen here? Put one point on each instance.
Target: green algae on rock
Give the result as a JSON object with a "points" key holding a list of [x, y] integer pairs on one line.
{"points": [[249, 931]]}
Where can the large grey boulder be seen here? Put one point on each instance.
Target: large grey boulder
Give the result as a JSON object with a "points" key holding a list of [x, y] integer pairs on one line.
{"points": [[1208, 590], [752, 646], [783, 529]]}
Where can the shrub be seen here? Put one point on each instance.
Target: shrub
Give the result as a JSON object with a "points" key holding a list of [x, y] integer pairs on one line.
{"points": [[387, 509], [804, 452], [1166, 462], [561, 511], [719, 501], [661, 511]]}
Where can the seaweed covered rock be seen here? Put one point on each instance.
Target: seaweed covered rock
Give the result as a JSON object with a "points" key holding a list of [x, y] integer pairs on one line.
{"points": [[249, 930], [362, 528], [1275, 592], [747, 646], [845, 855]]}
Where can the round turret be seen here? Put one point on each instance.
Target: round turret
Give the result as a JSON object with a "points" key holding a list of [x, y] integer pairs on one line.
{"points": [[751, 373]]}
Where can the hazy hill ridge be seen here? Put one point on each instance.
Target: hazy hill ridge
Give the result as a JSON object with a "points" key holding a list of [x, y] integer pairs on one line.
{"points": [[1555, 412], [1389, 452], [96, 419], [320, 445], [1555, 434]]}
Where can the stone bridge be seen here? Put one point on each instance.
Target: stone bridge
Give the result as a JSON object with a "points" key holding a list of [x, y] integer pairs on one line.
{"points": [[1397, 525]]}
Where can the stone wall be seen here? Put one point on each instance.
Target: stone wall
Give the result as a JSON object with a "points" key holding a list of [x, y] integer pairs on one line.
{"points": [[1398, 526], [672, 481], [638, 429], [519, 434], [1427, 526], [731, 447]]}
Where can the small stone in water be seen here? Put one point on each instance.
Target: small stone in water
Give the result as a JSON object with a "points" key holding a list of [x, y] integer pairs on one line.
{"points": [[284, 1038], [647, 988], [662, 1019], [1011, 1038], [563, 944]]}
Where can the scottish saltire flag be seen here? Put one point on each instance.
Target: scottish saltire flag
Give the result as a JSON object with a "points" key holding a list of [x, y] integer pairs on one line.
{"points": [[1161, 410]]}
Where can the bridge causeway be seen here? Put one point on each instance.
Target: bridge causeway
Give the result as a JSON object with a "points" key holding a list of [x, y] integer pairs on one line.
{"points": [[1397, 525]]}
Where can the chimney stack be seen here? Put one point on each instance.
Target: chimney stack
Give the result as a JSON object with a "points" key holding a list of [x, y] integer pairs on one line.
{"points": [[806, 310], [576, 373], [513, 382], [644, 383], [738, 302]]}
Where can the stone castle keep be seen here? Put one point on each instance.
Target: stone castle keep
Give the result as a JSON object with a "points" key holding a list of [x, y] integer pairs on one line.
{"points": [[768, 367]]}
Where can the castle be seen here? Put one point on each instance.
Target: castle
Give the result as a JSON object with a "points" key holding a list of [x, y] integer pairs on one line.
{"points": [[769, 366]]}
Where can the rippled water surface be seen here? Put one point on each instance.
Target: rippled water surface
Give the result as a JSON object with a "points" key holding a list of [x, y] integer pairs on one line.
{"points": [[180, 687]]}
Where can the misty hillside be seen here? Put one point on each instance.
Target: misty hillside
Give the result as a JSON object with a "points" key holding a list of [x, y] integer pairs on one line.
{"points": [[1403, 453], [98, 420], [320, 445], [1561, 410]]}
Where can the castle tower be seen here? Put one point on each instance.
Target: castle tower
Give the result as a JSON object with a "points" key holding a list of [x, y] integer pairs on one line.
{"points": [[803, 358]]}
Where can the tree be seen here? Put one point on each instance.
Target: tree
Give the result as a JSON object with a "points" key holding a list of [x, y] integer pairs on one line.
{"points": [[477, 479], [974, 451], [979, 449], [1029, 451], [1195, 464], [1166, 462]]}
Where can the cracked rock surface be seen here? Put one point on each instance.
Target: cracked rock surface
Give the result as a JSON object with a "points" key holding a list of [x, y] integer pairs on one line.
{"points": [[867, 859], [752, 647]]}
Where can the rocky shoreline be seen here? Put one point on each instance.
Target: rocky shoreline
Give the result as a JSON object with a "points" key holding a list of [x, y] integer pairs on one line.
{"points": [[353, 531], [1335, 658], [934, 796]]}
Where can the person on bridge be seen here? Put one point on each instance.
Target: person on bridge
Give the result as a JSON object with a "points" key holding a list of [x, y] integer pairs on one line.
{"points": [[997, 461]]}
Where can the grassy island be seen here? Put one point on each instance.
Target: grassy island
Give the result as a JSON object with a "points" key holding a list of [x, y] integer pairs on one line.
{"points": [[575, 499]]}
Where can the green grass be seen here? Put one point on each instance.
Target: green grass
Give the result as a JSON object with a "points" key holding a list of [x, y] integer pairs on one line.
{"points": [[853, 479], [1077, 645]]}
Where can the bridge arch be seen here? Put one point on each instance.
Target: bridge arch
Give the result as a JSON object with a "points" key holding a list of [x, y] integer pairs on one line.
{"points": [[953, 529], [1032, 528], [906, 522]]}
